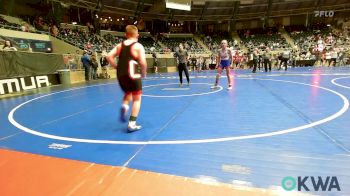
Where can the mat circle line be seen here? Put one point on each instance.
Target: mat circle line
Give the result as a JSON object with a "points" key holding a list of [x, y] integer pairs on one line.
{"points": [[337, 84], [167, 142], [175, 96]]}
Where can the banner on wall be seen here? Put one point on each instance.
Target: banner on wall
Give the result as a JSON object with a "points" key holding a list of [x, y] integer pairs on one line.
{"points": [[13, 85], [35, 45], [16, 64]]}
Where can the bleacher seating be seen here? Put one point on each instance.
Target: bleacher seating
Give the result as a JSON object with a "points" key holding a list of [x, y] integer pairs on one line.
{"points": [[213, 42], [7, 25], [260, 38], [83, 39], [147, 41], [304, 38], [190, 44]]}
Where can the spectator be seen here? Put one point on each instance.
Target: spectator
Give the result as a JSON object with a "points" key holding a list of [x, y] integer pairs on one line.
{"points": [[334, 56], [77, 58], [8, 46], [25, 27], [104, 63], [155, 62], [255, 59], [85, 60], [285, 58], [94, 66], [88, 46], [200, 64], [267, 55], [54, 30]]}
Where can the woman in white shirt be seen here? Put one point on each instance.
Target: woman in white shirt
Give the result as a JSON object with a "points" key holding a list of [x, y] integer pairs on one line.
{"points": [[8, 46]]}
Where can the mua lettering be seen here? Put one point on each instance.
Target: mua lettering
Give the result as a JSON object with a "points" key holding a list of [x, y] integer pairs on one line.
{"points": [[20, 84]]}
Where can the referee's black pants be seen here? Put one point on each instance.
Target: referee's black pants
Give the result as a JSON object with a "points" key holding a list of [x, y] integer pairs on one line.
{"points": [[182, 67], [267, 62]]}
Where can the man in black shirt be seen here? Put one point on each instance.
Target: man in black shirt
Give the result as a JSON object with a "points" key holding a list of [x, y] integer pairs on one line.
{"points": [[182, 58]]}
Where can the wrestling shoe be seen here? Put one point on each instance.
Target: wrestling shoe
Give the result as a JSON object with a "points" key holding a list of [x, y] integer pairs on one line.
{"points": [[124, 113], [133, 128]]}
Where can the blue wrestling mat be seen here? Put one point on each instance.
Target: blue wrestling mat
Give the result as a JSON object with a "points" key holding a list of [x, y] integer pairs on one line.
{"points": [[269, 126]]}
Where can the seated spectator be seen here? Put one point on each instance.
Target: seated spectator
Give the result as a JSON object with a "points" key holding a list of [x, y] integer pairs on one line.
{"points": [[25, 27], [54, 30], [8, 46], [88, 46], [40, 24]]}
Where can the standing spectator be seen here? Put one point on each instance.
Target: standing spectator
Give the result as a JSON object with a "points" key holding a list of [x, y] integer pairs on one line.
{"points": [[76, 59], [327, 57], [85, 60], [200, 64], [334, 56], [94, 66], [206, 64], [155, 61], [285, 59], [71, 61], [267, 59], [104, 63], [260, 61], [341, 57], [295, 56], [236, 60], [244, 60], [194, 62], [255, 59], [318, 55]]}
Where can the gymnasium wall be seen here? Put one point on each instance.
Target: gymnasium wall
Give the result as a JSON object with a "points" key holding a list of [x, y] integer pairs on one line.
{"points": [[23, 35]]}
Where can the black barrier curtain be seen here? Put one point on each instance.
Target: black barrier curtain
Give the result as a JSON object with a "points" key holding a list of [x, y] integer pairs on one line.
{"points": [[20, 64], [163, 63]]}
